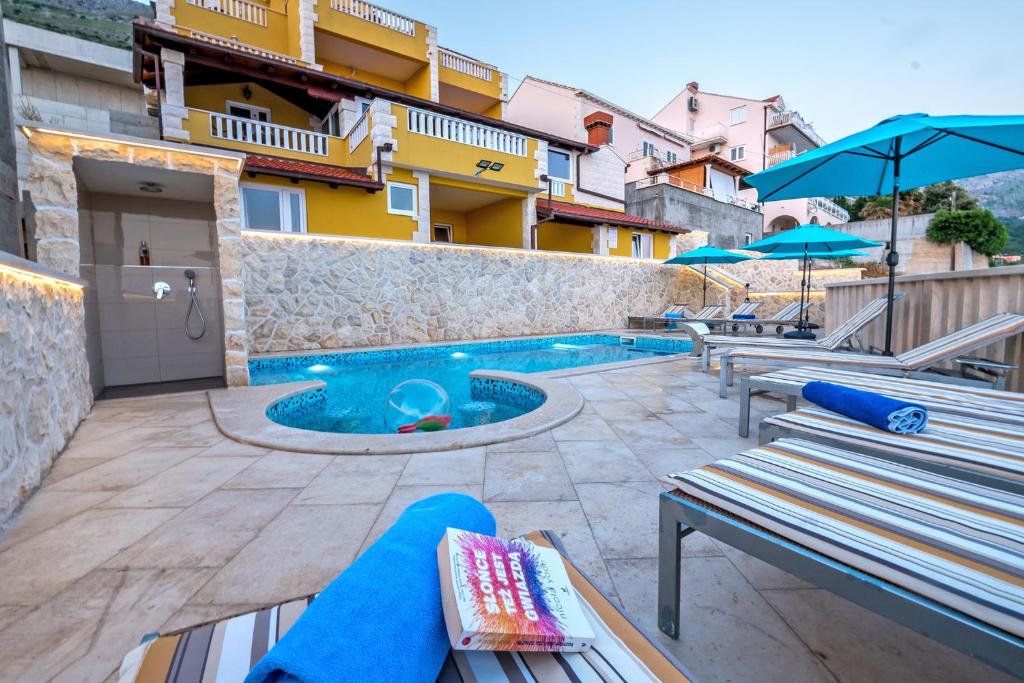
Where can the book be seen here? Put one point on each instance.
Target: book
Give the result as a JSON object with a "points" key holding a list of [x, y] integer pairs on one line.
{"points": [[508, 594]]}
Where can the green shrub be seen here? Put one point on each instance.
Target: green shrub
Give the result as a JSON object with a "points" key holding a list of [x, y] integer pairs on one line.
{"points": [[978, 228]]}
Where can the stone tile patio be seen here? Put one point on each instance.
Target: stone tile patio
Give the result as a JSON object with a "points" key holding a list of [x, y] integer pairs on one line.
{"points": [[152, 520]]}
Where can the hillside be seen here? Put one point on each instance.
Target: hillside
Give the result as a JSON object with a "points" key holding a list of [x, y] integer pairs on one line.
{"points": [[101, 21], [1003, 195]]}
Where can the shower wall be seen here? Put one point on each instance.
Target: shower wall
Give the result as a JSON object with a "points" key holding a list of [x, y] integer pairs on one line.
{"points": [[142, 339]]}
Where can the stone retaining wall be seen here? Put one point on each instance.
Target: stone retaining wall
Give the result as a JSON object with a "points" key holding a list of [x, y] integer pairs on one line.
{"points": [[44, 375], [312, 292]]}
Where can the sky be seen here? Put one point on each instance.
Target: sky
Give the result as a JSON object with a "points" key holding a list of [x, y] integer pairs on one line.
{"points": [[843, 65]]}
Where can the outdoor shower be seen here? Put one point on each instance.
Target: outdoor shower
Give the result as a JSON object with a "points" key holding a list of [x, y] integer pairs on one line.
{"points": [[190, 275]]}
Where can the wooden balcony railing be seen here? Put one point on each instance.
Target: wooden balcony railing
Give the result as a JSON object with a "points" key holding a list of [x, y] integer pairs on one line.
{"points": [[779, 157], [376, 15], [239, 9], [466, 65], [424, 122]]}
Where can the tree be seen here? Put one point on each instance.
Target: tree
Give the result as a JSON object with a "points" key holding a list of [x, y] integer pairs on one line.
{"points": [[981, 230], [940, 196]]}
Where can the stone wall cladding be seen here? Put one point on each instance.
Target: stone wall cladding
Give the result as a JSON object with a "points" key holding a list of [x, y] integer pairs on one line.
{"points": [[305, 293], [44, 383]]}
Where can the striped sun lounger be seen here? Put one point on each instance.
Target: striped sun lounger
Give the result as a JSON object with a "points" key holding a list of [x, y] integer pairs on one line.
{"points": [[941, 556], [787, 315], [224, 651], [642, 320], [837, 338], [909, 363], [989, 452], [745, 308]]}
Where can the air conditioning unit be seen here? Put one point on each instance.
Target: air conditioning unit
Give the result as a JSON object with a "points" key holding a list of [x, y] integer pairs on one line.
{"points": [[691, 103], [714, 148]]}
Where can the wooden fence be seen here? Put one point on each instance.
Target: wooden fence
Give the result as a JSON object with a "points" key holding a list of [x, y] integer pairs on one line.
{"points": [[937, 304]]}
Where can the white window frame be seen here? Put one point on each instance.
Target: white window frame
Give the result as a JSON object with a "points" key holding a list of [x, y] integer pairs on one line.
{"points": [[566, 153], [648, 148], [738, 153], [251, 107], [284, 207], [646, 243], [360, 102], [447, 227], [748, 238], [671, 157], [415, 200], [738, 115]]}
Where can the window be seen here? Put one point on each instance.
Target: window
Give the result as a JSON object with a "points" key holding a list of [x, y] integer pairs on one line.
{"points": [[738, 153], [402, 199], [442, 233], [649, 149], [248, 111], [738, 115], [559, 165], [643, 245], [362, 104], [265, 207], [748, 237], [671, 157]]}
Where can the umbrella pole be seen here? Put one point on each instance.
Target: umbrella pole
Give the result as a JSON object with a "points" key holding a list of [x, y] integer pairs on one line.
{"points": [[893, 258], [704, 296]]}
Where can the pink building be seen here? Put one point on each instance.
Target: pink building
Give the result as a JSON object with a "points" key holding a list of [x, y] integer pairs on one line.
{"points": [[754, 134], [640, 143]]}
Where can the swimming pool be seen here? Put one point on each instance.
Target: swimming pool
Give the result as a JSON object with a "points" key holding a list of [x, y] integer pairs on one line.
{"points": [[358, 382]]}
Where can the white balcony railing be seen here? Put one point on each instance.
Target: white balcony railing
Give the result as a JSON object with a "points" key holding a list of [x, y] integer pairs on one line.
{"points": [[457, 130], [376, 15], [779, 157], [359, 131], [557, 188], [239, 9], [716, 132], [238, 129], [464, 64], [829, 207], [792, 118], [666, 179]]}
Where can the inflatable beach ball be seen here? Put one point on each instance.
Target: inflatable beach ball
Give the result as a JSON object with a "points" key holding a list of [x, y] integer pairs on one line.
{"points": [[417, 405]]}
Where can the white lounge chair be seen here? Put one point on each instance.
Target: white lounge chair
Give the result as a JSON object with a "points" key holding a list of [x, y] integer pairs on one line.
{"points": [[907, 364]]}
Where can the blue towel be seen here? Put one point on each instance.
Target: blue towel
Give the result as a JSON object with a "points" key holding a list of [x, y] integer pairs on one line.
{"points": [[890, 414], [677, 316], [381, 619], [744, 316]]}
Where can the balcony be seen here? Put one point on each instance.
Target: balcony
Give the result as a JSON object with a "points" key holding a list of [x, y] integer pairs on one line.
{"points": [[369, 38], [681, 183], [246, 135], [779, 157], [240, 24], [715, 134], [779, 122], [376, 15], [468, 83]]}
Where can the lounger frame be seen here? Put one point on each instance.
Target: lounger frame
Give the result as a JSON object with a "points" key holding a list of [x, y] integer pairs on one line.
{"points": [[679, 517]]}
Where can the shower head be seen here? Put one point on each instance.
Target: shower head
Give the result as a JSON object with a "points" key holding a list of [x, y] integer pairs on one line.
{"points": [[190, 274]]}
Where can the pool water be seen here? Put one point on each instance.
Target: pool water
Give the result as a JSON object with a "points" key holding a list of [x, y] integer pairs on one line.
{"points": [[358, 383]]}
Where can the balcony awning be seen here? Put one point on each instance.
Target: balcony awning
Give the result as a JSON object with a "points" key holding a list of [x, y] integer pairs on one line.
{"points": [[589, 215], [308, 170]]}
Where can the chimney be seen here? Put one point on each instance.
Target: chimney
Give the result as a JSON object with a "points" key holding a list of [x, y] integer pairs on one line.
{"points": [[599, 126], [693, 87]]}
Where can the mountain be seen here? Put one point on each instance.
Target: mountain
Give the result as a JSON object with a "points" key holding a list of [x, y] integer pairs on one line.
{"points": [[102, 21], [1003, 195]]}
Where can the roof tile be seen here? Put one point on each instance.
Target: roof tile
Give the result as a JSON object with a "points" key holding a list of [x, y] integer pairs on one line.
{"points": [[591, 214]]}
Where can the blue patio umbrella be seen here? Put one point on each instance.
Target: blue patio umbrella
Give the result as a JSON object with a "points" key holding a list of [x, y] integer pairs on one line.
{"points": [[705, 255], [902, 152], [801, 242]]}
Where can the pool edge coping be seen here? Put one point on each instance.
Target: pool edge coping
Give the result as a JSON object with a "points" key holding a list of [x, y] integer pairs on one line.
{"points": [[235, 414]]}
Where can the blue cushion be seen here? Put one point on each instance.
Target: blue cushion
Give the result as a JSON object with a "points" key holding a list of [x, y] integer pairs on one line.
{"points": [[744, 316], [382, 618]]}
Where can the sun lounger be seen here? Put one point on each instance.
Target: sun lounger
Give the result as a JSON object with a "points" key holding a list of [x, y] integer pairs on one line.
{"points": [[223, 651], [705, 314], [966, 401], [787, 315], [940, 556], [745, 308], [991, 453], [831, 342], [634, 321], [907, 364]]}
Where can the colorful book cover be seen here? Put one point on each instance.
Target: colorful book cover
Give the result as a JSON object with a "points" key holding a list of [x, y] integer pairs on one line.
{"points": [[508, 594]]}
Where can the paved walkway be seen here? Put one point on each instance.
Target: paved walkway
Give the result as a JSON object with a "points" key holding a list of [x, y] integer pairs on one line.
{"points": [[152, 520]]}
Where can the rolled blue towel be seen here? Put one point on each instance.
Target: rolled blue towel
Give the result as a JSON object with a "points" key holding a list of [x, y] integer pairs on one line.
{"points": [[381, 619], [744, 316], [890, 414], [676, 316]]}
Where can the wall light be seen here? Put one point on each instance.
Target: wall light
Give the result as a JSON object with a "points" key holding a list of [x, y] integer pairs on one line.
{"points": [[488, 165], [247, 92]]}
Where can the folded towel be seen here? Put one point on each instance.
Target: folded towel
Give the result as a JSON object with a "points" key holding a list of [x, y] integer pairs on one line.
{"points": [[676, 316], [381, 619], [744, 316], [890, 414]]}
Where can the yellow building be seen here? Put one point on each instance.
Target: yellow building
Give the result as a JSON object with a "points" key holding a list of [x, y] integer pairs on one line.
{"points": [[355, 122]]}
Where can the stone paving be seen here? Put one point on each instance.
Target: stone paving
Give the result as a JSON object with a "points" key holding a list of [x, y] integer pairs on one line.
{"points": [[152, 520]]}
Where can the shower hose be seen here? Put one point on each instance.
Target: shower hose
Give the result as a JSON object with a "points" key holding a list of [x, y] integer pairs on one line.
{"points": [[193, 305]]}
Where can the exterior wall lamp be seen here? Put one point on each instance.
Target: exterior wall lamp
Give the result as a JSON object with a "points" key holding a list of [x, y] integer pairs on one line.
{"points": [[487, 165]]}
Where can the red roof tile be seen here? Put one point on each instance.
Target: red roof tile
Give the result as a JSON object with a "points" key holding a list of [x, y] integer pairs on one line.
{"points": [[589, 214], [257, 163], [713, 159]]}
